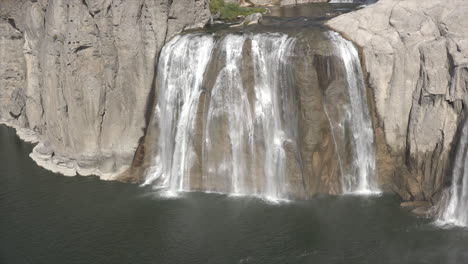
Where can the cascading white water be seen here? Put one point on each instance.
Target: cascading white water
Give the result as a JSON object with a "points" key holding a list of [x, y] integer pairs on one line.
{"points": [[243, 141], [360, 179], [274, 120], [229, 107], [180, 75], [227, 117], [454, 210]]}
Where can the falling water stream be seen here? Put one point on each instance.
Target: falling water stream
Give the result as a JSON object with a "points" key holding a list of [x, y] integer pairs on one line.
{"points": [[181, 74], [229, 107], [274, 97], [360, 179], [454, 206]]}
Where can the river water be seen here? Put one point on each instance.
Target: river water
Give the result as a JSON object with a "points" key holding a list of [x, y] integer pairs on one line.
{"points": [[49, 218]]}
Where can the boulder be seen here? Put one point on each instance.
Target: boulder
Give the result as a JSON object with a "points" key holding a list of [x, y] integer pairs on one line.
{"points": [[254, 18]]}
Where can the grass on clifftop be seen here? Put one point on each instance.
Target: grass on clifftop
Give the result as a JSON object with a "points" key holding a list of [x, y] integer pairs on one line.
{"points": [[231, 11]]}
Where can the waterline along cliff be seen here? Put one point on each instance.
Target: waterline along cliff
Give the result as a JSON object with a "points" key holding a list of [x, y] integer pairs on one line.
{"points": [[157, 93]]}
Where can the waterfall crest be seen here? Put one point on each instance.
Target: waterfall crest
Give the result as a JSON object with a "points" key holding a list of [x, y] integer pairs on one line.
{"points": [[454, 206], [360, 179]]}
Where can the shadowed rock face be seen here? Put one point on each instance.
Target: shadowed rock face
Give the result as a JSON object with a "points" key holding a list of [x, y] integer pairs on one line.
{"points": [[416, 57], [79, 74], [252, 112]]}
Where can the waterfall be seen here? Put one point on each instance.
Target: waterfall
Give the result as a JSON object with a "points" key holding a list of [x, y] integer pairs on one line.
{"points": [[454, 210], [274, 117], [360, 179], [179, 80], [242, 131], [227, 117], [229, 124]]}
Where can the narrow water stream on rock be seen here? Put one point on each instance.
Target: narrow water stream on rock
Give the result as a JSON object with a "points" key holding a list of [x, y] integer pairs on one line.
{"points": [[454, 204], [361, 179]]}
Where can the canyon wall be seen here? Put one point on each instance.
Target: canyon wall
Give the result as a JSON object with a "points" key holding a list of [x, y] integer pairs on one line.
{"points": [[79, 75], [415, 54]]}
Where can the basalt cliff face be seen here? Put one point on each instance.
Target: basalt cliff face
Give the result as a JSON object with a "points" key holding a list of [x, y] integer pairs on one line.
{"points": [[415, 55], [79, 74]]}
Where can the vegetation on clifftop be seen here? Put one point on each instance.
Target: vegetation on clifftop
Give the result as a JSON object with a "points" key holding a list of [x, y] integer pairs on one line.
{"points": [[231, 11]]}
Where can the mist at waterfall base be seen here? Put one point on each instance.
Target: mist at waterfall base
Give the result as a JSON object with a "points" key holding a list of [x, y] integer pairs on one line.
{"points": [[49, 218]]}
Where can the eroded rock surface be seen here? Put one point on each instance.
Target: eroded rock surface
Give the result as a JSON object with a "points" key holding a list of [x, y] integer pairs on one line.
{"points": [[416, 57], [79, 74]]}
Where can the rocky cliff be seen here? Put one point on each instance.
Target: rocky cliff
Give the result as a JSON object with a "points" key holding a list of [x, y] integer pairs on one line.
{"points": [[79, 74], [415, 54]]}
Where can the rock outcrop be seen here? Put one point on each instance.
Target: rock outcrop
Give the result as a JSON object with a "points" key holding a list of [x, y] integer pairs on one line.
{"points": [[79, 74], [415, 54]]}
